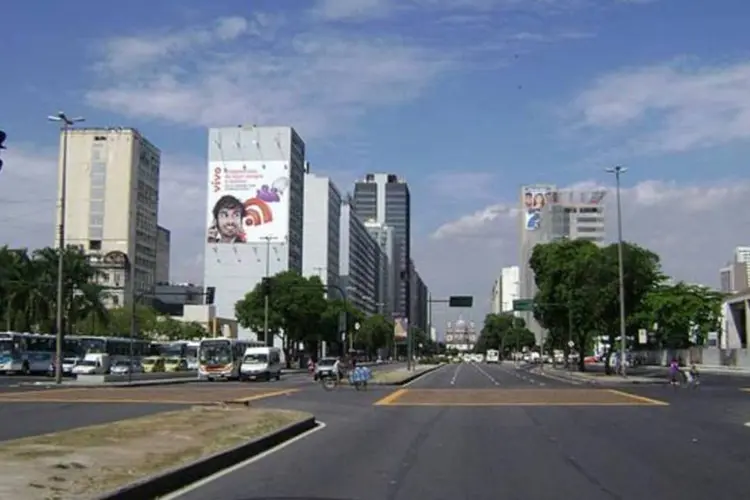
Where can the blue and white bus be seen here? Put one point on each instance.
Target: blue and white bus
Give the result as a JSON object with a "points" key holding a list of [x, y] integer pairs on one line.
{"points": [[26, 352], [118, 348]]}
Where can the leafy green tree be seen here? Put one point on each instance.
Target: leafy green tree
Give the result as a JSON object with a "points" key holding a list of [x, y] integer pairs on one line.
{"points": [[296, 306], [28, 289], [504, 332], [375, 332], [578, 289], [679, 310]]}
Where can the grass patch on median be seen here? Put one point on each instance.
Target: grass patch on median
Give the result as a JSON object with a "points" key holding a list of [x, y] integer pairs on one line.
{"points": [[399, 375], [82, 463]]}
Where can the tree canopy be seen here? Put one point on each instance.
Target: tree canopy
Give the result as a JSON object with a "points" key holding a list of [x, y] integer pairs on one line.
{"points": [[303, 310], [504, 332], [578, 290]]}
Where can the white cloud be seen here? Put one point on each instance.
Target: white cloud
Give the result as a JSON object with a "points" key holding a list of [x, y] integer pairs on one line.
{"points": [[338, 10], [680, 107], [693, 227], [315, 80], [28, 189]]}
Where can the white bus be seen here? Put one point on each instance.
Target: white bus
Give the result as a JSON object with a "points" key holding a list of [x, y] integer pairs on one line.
{"points": [[191, 354], [118, 348], [26, 352], [493, 356], [185, 349], [221, 358]]}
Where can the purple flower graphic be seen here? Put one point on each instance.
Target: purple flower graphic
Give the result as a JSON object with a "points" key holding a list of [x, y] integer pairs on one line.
{"points": [[268, 195]]}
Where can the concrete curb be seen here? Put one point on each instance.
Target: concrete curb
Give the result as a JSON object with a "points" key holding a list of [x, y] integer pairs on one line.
{"points": [[179, 477], [140, 383], [410, 378], [604, 382]]}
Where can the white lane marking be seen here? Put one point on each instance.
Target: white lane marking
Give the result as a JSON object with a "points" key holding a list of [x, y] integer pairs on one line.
{"points": [[424, 376], [199, 484], [520, 374], [455, 375], [490, 377]]}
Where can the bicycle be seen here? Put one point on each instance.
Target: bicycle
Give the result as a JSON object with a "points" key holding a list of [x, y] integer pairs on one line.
{"points": [[329, 382]]}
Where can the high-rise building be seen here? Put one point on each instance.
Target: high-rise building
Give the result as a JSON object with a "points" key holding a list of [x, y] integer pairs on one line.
{"points": [[255, 209], [163, 251], [548, 214], [359, 262], [385, 198], [509, 277], [496, 298], [321, 233], [112, 203], [419, 315], [390, 285], [735, 276]]}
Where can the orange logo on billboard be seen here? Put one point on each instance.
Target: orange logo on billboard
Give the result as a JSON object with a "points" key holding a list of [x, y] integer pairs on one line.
{"points": [[257, 212]]}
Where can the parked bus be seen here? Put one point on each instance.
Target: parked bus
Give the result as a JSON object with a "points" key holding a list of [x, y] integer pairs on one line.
{"points": [[118, 348], [220, 358], [191, 354], [26, 352]]}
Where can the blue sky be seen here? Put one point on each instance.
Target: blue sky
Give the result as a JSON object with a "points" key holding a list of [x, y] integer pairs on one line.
{"points": [[467, 99]]}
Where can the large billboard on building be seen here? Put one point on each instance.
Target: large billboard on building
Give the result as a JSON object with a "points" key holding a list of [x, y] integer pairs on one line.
{"points": [[248, 202], [534, 199], [400, 328]]}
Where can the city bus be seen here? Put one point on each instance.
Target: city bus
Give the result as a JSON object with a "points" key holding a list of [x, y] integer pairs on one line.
{"points": [[221, 358], [185, 349], [26, 352], [118, 348]]}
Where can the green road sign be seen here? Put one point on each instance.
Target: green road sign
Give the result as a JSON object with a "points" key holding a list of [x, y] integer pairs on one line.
{"points": [[523, 305], [461, 301]]}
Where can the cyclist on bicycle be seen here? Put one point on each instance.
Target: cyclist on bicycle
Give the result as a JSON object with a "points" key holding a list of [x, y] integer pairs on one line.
{"points": [[337, 369], [674, 372]]}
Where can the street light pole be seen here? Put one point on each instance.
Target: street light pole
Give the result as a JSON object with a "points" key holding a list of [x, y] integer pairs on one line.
{"points": [[617, 171], [65, 124], [269, 342]]}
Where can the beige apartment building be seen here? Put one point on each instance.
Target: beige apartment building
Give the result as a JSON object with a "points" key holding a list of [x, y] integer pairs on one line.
{"points": [[113, 203]]}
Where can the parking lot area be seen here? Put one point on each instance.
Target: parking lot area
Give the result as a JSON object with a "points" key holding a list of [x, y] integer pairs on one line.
{"points": [[173, 394]]}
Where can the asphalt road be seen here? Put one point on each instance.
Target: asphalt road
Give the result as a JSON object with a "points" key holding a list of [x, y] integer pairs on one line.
{"points": [[23, 419], [695, 447], [18, 420]]}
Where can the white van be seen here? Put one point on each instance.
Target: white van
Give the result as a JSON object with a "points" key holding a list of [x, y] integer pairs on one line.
{"points": [[261, 363], [93, 364]]}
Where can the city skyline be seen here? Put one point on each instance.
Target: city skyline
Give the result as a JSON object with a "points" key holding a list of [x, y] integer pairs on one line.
{"points": [[564, 122]]}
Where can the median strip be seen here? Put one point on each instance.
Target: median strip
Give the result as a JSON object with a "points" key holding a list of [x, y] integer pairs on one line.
{"points": [[91, 461]]}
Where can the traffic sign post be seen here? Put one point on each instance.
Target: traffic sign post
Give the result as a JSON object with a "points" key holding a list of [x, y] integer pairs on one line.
{"points": [[523, 305]]}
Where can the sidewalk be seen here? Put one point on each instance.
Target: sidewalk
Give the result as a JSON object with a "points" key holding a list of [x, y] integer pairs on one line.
{"points": [[596, 378]]}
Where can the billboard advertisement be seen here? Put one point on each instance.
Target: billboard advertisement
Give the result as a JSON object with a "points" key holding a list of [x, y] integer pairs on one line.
{"points": [[248, 202], [534, 199], [400, 328]]}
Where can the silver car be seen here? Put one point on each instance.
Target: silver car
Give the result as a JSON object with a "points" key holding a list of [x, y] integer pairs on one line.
{"points": [[123, 367]]}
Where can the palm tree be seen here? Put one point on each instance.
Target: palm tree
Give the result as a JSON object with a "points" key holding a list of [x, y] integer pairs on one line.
{"points": [[28, 289]]}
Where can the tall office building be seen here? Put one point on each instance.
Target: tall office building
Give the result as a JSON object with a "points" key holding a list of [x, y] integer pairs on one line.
{"points": [[548, 214], [390, 284], [360, 262], [385, 198], [735, 276], [254, 212], [509, 277], [163, 253], [112, 203], [321, 233]]}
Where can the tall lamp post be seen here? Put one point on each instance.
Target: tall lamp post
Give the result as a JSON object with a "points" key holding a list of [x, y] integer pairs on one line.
{"points": [[266, 291], [617, 171], [65, 124]]}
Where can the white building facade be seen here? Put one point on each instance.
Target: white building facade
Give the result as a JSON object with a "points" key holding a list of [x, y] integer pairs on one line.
{"points": [[389, 267], [321, 230], [112, 203], [511, 288], [254, 212], [359, 263]]}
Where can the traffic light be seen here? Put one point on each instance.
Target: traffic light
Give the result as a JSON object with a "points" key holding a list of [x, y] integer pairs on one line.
{"points": [[3, 136], [265, 286], [210, 295]]}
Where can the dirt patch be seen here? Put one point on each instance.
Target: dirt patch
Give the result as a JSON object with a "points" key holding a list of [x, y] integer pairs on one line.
{"points": [[86, 462], [397, 376]]}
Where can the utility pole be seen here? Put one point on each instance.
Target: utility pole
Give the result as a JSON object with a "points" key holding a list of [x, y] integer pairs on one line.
{"points": [[266, 291], [617, 171], [65, 125]]}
